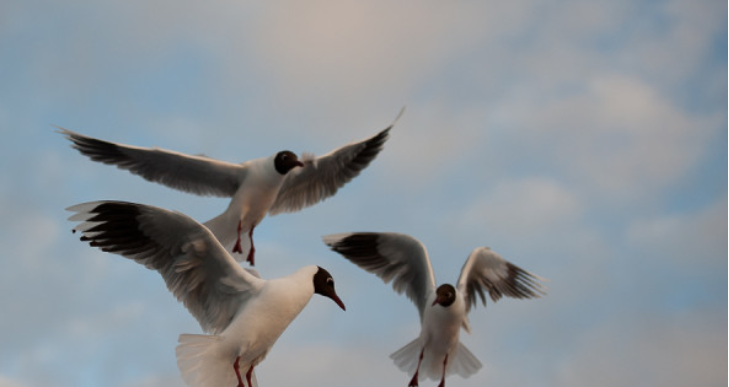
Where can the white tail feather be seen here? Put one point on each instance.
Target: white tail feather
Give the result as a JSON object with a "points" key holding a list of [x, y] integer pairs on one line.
{"points": [[461, 361], [406, 358], [464, 363], [203, 363]]}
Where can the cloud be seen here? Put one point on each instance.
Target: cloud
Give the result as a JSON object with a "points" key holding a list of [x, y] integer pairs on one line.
{"points": [[528, 123], [678, 48], [6, 382], [693, 242], [540, 210], [158, 381], [650, 350], [525, 207], [351, 51], [328, 366], [618, 136]]}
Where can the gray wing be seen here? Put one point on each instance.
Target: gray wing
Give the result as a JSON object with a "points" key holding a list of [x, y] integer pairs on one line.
{"points": [[193, 174], [321, 177], [196, 268], [399, 258], [485, 270]]}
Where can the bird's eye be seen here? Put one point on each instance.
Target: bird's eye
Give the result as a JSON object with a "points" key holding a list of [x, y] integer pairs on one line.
{"points": [[330, 281]]}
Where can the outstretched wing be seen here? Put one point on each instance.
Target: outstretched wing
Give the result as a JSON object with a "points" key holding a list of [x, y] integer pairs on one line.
{"points": [[195, 267], [485, 270], [193, 174], [399, 258], [321, 177]]}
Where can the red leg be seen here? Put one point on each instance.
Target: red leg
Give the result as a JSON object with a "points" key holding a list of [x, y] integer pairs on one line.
{"points": [[237, 248], [236, 367], [442, 379], [248, 376], [414, 380], [251, 256]]}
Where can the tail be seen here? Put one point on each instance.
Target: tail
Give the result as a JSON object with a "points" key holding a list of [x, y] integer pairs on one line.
{"points": [[203, 363], [226, 233], [464, 363], [460, 361], [406, 358]]}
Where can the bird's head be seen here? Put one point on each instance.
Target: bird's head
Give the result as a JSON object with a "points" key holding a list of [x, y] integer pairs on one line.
{"points": [[324, 285], [445, 295], [286, 161]]}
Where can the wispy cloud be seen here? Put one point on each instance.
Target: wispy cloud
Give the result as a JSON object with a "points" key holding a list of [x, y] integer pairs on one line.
{"points": [[666, 350], [565, 135]]}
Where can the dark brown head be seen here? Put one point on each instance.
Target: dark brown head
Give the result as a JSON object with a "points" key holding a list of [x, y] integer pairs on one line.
{"points": [[286, 161], [445, 295], [324, 285]]}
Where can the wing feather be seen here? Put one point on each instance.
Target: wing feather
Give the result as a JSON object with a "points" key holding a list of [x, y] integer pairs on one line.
{"points": [[193, 174], [396, 258], [486, 271], [196, 268], [321, 177]]}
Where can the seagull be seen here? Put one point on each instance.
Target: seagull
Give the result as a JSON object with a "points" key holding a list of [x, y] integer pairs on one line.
{"points": [[402, 259], [243, 314], [270, 185]]}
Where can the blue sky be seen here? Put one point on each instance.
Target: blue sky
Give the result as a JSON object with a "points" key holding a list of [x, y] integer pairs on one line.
{"points": [[582, 140]]}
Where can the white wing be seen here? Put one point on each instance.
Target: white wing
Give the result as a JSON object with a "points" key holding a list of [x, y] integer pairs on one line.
{"points": [[197, 269], [193, 174], [321, 177], [392, 257], [485, 270]]}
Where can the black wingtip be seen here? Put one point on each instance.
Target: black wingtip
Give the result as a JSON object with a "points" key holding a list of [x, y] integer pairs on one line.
{"points": [[385, 132], [402, 111]]}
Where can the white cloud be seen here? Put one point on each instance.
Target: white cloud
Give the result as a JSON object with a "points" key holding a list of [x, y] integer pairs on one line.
{"points": [[430, 143], [6, 382], [158, 381], [589, 91], [619, 137], [693, 242], [327, 366], [650, 350], [679, 48], [524, 207]]}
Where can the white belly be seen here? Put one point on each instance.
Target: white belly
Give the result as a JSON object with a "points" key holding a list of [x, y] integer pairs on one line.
{"points": [[251, 335]]}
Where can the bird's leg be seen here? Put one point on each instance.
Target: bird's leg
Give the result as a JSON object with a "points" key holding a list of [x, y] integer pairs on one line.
{"points": [[414, 380], [251, 253], [248, 376], [236, 367], [442, 379], [237, 248]]}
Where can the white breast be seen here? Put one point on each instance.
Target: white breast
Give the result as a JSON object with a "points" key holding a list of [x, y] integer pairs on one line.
{"points": [[264, 318]]}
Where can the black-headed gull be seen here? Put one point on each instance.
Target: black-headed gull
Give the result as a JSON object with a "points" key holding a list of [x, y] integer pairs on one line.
{"points": [[270, 185], [243, 313], [402, 259]]}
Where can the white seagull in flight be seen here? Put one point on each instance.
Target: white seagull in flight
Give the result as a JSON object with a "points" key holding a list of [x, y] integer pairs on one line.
{"points": [[243, 313], [402, 259], [270, 185]]}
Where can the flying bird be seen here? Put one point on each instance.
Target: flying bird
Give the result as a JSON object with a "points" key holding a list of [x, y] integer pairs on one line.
{"points": [[243, 314], [282, 182], [402, 259]]}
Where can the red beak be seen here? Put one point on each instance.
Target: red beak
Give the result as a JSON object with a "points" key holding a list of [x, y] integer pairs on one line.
{"points": [[338, 301]]}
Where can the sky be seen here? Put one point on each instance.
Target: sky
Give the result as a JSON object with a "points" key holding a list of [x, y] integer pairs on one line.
{"points": [[584, 141]]}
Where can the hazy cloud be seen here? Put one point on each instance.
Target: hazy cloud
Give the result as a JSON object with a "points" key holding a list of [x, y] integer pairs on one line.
{"points": [[666, 351], [694, 242], [619, 136], [557, 133]]}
